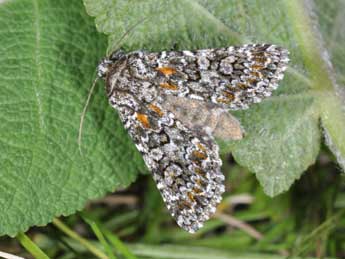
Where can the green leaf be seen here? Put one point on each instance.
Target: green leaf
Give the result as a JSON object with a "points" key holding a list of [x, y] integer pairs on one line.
{"points": [[277, 139], [283, 133], [49, 51]]}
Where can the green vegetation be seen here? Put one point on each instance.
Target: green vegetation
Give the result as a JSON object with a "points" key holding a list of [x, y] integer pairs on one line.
{"points": [[286, 189]]}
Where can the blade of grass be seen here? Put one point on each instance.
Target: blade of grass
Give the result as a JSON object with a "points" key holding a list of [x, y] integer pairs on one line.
{"points": [[127, 231], [177, 235], [124, 250], [234, 241], [234, 222], [307, 241], [31, 247], [84, 242], [188, 252], [112, 238], [121, 220], [119, 245], [97, 231], [152, 214]]}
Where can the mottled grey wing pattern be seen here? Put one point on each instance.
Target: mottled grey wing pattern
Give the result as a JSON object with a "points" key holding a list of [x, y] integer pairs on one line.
{"points": [[232, 77], [186, 167], [184, 159]]}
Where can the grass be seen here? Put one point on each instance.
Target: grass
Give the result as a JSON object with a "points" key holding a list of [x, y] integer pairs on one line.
{"points": [[305, 222]]}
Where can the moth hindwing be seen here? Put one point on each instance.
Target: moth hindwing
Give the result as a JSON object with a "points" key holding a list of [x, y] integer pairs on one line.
{"points": [[173, 103]]}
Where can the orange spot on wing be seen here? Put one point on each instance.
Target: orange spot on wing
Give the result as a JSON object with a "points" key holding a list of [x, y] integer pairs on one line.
{"points": [[229, 95], [260, 59], [252, 81], [168, 86], [221, 100], [144, 120], [167, 71], [257, 67], [258, 54], [201, 147], [242, 85], [256, 74], [156, 109], [191, 196], [184, 204], [198, 182], [199, 171], [197, 190], [199, 155]]}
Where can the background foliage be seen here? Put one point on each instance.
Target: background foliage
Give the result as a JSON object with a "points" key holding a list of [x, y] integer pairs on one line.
{"points": [[283, 133], [49, 51]]}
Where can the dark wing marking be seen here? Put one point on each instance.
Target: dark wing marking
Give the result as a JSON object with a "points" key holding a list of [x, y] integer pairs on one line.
{"points": [[184, 157], [185, 165], [233, 77]]}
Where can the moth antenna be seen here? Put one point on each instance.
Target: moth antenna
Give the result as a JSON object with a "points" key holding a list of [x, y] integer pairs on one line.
{"points": [[131, 28], [82, 116]]}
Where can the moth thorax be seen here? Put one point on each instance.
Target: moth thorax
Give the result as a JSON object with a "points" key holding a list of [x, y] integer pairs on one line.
{"points": [[106, 63], [103, 67]]}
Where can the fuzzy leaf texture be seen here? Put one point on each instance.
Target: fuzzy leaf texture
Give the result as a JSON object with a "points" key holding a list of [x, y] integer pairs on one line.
{"points": [[49, 51], [283, 133]]}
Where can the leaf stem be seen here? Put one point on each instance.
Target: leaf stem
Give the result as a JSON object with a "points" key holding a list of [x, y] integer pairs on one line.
{"points": [[310, 47]]}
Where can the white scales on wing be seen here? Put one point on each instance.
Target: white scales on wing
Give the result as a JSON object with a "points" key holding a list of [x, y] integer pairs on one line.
{"points": [[175, 103]]}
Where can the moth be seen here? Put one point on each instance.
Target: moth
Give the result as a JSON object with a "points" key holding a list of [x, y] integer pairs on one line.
{"points": [[175, 103]]}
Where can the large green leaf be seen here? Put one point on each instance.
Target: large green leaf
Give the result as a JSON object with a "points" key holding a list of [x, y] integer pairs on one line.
{"points": [[283, 133], [48, 54], [49, 50]]}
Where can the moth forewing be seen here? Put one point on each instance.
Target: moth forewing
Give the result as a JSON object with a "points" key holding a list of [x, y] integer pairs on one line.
{"points": [[173, 103]]}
